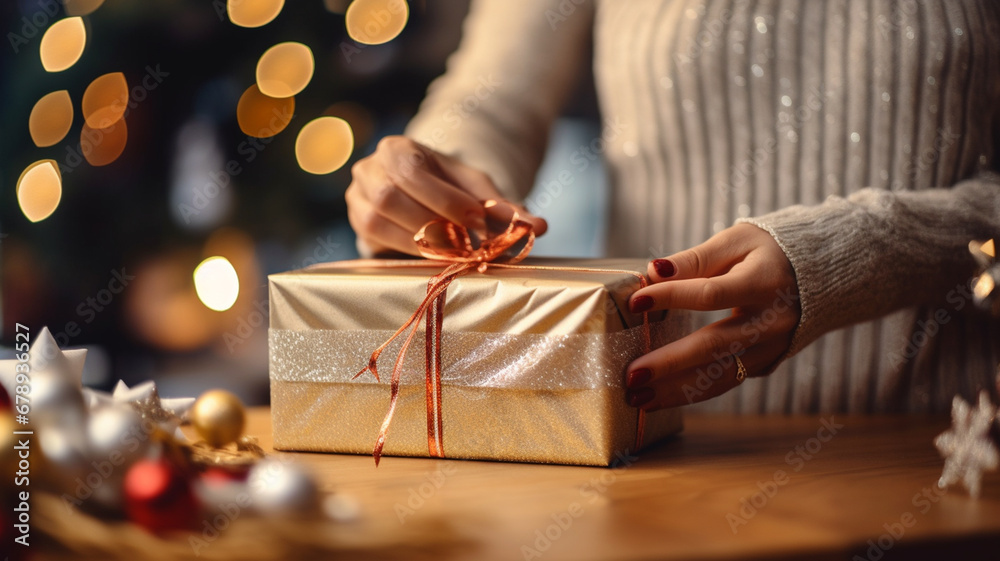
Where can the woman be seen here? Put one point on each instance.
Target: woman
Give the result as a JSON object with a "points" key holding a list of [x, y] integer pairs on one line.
{"points": [[853, 143]]}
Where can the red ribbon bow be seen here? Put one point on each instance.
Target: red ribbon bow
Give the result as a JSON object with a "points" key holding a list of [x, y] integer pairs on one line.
{"points": [[442, 240]]}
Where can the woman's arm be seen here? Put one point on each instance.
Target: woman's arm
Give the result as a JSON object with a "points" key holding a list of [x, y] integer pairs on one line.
{"points": [[517, 64], [482, 131], [877, 251], [795, 274]]}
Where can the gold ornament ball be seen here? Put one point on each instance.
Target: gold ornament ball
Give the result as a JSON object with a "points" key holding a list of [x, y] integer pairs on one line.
{"points": [[218, 417]]}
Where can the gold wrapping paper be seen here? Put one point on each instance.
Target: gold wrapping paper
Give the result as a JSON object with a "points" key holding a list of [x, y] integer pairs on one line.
{"points": [[532, 361]]}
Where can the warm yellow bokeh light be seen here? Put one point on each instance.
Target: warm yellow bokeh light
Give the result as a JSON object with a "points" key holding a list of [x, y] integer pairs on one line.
{"points": [[285, 70], [51, 119], [324, 145], [161, 306], [63, 43], [989, 248], [217, 284], [374, 22], [984, 286], [102, 146], [253, 13], [263, 116], [81, 7], [39, 190], [105, 100]]}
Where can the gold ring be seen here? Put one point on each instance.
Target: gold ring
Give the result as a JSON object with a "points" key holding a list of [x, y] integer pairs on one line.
{"points": [[741, 371]]}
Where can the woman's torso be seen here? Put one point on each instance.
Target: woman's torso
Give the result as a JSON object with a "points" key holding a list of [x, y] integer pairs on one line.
{"points": [[722, 109]]}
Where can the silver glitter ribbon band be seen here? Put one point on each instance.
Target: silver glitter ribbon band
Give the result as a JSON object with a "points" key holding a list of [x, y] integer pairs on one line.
{"points": [[483, 360]]}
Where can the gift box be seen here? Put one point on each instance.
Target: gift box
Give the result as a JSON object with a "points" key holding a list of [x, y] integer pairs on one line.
{"points": [[530, 361]]}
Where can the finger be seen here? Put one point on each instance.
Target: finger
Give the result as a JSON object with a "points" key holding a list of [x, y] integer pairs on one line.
{"points": [[503, 213], [479, 185], [407, 165], [731, 290], [388, 200], [715, 342], [703, 382], [686, 388], [474, 181], [378, 230], [711, 258]]}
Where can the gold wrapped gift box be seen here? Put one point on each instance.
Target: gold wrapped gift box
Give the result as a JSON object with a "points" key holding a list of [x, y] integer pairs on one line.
{"points": [[533, 360]]}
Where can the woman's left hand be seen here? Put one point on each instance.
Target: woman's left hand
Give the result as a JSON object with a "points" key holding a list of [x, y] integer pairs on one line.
{"points": [[742, 268]]}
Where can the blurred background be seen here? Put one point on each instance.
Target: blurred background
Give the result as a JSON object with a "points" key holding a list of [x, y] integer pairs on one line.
{"points": [[152, 179]]}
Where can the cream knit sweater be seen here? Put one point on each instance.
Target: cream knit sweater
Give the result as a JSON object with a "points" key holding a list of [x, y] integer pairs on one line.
{"points": [[861, 134]]}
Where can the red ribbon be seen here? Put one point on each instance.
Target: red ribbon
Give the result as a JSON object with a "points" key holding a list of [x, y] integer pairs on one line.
{"points": [[444, 241]]}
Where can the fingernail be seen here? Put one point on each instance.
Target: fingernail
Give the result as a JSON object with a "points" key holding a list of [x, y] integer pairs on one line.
{"points": [[638, 377], [665, 268], [641, 304], [640, 396]]}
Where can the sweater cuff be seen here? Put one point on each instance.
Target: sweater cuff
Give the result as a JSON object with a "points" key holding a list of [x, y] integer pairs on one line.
{"points": [[838, 251], [877, 251]]}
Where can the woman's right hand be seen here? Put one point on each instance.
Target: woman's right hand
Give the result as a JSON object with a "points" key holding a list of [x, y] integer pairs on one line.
{"points": [[404, 185]]}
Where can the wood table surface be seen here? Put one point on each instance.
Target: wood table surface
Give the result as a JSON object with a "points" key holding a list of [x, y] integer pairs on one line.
{"points": [[748, 487]]}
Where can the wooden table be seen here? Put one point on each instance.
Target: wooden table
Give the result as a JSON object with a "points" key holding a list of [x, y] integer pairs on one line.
{"points": [[771, 487]]}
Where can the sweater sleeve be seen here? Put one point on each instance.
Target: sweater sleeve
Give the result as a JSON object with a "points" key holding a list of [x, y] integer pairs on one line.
{"points": [[876, 251], [504, 86]]}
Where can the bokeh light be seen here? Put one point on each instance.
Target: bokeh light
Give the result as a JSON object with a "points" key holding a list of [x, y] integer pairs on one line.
{"points": [[324, 145], [253, 13], [161, 306], [285, 69], [51, 119], [102, 146], [989, 248], [105, 100], [81, 7], [217, 284], [373, 22], [263, 116], [238, 247], [984, 286], [39, 190], [63, 43]]}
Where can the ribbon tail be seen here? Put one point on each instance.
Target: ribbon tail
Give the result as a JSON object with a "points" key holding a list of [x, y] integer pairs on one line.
{"points": [[397, 371], [436, 290], [640, 421], [373, 360], [640, 428], [435, 428]]}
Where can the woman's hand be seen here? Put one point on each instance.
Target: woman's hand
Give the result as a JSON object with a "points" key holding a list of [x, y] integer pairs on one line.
{"points": [[404, 185], [742, 268]]}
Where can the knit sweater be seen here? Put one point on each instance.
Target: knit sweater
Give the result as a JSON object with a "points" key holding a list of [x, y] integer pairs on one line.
{"points": [[861, 134]]}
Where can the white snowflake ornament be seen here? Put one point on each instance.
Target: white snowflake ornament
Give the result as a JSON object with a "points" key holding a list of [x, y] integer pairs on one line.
{"points": [[966, 447], [144, 398]]}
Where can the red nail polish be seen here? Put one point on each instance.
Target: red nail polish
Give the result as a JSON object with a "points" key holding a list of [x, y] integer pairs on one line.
{"points": [[665, 268], [638, 377], [641, 304], [640, 396]]}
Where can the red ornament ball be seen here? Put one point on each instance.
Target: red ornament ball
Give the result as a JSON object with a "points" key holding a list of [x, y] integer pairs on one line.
{"points": [[158, 497], [216, 475]]}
